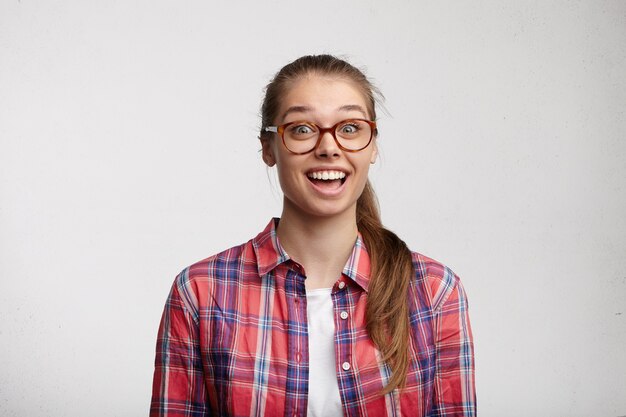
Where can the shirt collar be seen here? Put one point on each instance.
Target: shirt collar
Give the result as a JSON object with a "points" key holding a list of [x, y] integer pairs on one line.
{"points": [[270, 254]]}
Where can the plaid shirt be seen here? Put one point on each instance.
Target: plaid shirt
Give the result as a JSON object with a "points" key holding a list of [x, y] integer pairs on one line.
{"points": [[233, 340]]}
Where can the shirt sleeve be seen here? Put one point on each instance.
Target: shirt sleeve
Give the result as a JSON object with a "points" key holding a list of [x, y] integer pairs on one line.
{"points": [[179, 386], [454, 391]]}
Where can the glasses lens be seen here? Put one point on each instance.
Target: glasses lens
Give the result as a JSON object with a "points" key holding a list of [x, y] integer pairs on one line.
{"points": [[301, 136], [353, 134]]}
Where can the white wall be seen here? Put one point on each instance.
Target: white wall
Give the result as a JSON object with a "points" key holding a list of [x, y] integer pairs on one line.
{"points": [[128, 151]]}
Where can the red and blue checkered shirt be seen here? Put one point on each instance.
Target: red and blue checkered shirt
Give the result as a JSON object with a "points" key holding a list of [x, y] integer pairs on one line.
{"points": [[233, 340]]}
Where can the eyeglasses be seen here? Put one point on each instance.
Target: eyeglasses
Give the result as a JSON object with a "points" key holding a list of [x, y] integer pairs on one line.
{"points": [[302, 137]]}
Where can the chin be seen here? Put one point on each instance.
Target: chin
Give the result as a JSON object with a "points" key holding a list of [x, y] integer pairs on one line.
{"points": [[331, 209]]}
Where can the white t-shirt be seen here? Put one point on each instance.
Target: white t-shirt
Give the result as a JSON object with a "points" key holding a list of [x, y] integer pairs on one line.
{"points": [[324, 399]]}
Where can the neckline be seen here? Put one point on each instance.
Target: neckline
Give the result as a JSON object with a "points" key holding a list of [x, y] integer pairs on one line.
{"points": [[319, 291]]}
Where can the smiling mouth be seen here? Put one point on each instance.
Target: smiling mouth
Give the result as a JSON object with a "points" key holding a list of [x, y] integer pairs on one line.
{"points": [[327, 179]]}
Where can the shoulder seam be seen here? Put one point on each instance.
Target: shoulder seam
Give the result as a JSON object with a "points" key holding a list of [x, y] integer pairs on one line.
{"points": [[181, 287]]}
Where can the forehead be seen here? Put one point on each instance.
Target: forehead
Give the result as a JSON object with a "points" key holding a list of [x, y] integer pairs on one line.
{"points": [[322, 96]]}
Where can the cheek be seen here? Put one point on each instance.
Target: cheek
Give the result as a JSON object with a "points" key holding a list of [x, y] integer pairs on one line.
{"points": [[288, 176], [364, 164]]}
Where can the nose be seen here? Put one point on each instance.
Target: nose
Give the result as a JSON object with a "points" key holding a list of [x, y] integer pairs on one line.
{"points": [[327, 147]]}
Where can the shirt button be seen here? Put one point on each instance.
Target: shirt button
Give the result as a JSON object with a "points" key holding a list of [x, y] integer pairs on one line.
{"points": [[344, 315], [342, 285], [298, 357], [345, 366]]}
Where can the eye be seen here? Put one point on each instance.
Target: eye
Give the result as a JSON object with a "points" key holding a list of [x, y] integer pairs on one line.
{"points": [[302, 129], [349, 128]]}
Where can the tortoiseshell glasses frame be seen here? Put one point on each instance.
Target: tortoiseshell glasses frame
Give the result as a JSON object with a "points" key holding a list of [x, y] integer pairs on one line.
{"points": [[357, 131]]}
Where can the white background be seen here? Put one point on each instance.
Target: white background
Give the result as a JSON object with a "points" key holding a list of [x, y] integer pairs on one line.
{"points": [[128, 150]]}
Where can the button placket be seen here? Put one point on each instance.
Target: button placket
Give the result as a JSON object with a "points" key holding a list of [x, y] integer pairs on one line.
{"points": [[342, 307], [297, 348]]}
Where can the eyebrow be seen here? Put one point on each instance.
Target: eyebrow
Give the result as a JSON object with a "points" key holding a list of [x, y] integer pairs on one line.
{"points": [[354, 107], [306, 109], [296, 109]]}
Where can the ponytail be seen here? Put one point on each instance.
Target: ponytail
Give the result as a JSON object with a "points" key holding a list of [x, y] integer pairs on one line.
{"points": [[387, 311]]}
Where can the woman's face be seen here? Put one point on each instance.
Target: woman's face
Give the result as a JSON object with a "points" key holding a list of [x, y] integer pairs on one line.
{"points": [[325, 101]]}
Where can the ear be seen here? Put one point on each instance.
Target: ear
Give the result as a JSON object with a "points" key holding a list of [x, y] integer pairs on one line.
{"points": [[268, 153], [374, 153]]}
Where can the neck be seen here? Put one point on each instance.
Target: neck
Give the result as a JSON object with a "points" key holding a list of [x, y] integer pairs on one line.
{"points": [[321, 245]]}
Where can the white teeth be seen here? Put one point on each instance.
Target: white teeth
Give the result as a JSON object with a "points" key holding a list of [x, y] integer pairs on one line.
{"points": [[327, 175]]}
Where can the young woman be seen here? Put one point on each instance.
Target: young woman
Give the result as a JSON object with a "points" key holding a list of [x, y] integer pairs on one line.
{"points": [[325, 312]]}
